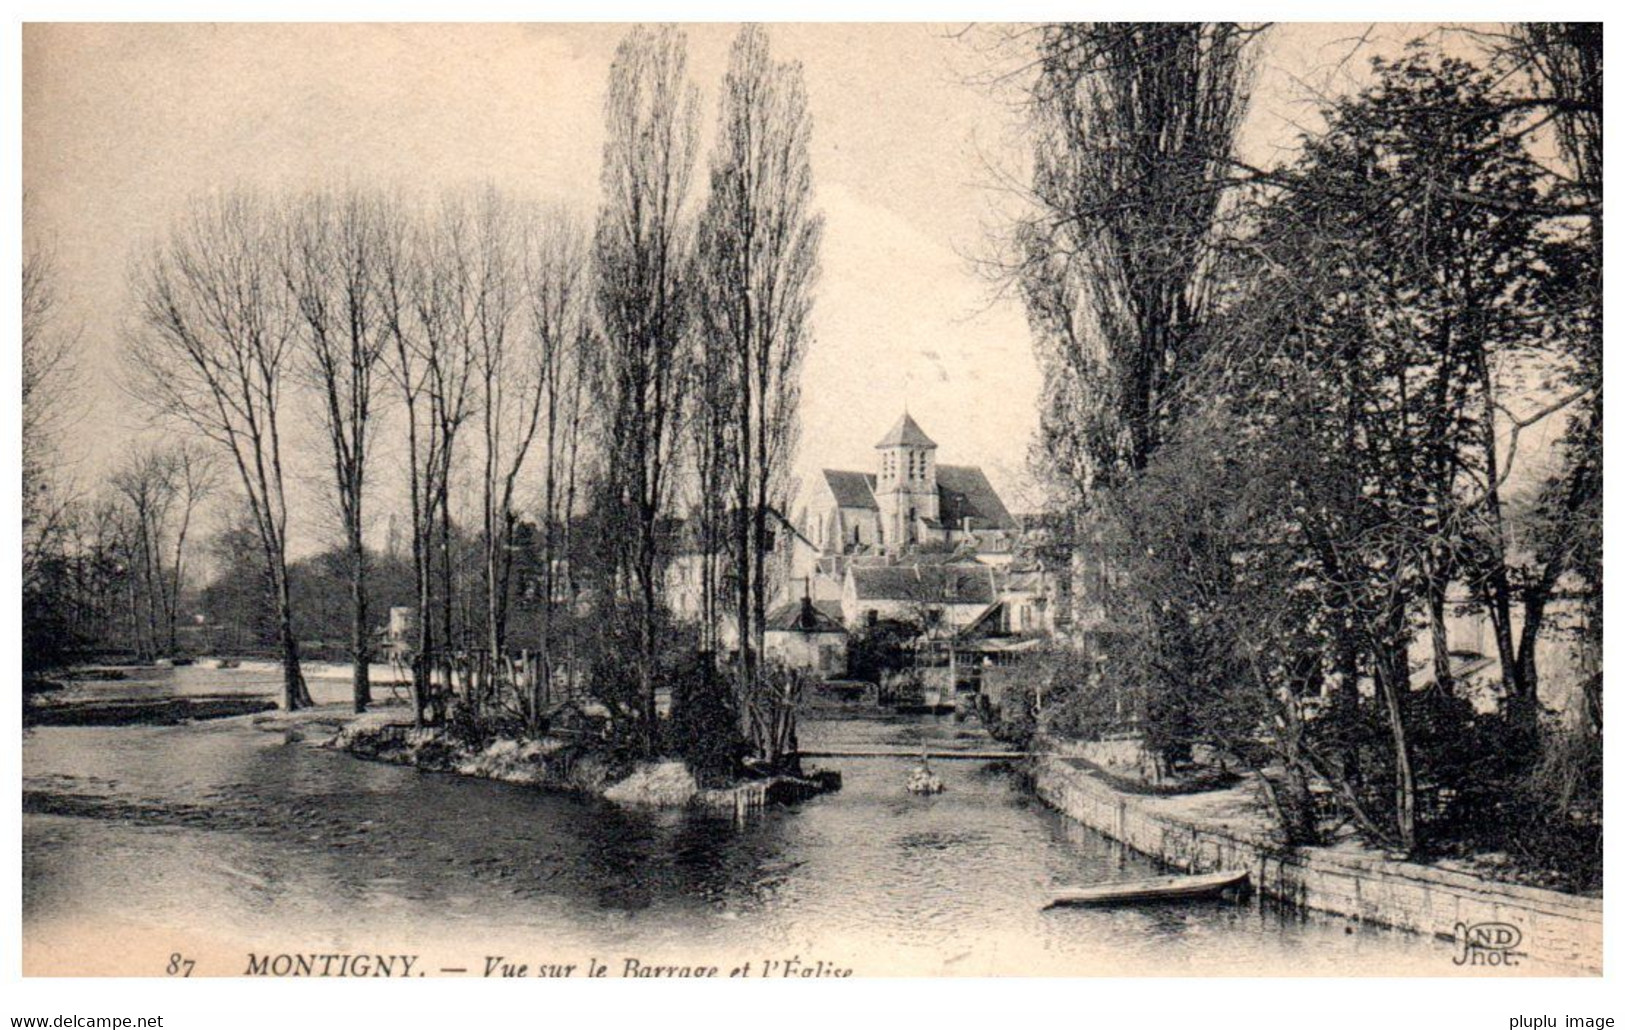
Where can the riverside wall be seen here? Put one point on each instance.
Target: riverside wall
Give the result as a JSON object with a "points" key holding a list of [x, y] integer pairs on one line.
{"points": [[1554, 928]]}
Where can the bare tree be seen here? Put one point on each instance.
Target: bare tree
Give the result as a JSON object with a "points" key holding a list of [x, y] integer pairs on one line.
{"points": [[212, 348], [422, 289], [399, 272], [197, 477], [445, 305], [641, 252], [160, 489], [145, 486], [46, 362], [758, 255], [556, 274], [509, 385], [332, 247]]}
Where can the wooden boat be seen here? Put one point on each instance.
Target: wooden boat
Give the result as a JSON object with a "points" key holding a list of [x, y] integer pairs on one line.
{"points": [[1158, 888]]}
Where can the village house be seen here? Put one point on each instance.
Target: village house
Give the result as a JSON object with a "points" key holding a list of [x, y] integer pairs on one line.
{"points": [[807, 634], [939, 598], [683, 582]]}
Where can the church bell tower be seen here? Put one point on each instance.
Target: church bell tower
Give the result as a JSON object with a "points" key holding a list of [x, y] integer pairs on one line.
{"points": [[906, 483]]}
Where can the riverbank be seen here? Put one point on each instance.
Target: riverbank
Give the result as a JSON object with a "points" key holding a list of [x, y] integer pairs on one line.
{"points": [[1226, 830], [556, 763], [171, 711]]}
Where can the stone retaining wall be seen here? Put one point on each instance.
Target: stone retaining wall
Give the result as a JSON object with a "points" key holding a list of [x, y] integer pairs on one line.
{"points": [[1561, 929]]}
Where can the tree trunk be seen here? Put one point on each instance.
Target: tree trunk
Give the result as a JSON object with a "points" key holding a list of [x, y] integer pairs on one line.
{"points": [[360, 644], [294, 694], [1393, 682], [447, 636], [1439, 637], [646, 632]]}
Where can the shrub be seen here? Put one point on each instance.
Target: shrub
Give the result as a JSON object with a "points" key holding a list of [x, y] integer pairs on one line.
{"points": [[704, 726], [881, 648]]}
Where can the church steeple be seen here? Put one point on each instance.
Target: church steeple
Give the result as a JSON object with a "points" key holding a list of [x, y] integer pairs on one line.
{"points": [[906, 484], [906, 433]]}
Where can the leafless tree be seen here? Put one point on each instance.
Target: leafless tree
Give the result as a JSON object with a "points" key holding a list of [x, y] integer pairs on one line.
{"points": [[212, 348], [445, 305], [509, 390], [161, 488], [422, 288], [332, 248], [146, 489], [398, 272], [642, 255], [557, 287], [758, 256], [46, 363]]}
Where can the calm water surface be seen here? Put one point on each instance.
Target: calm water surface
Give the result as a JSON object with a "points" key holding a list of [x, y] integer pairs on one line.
{"points": [[241, 835]]}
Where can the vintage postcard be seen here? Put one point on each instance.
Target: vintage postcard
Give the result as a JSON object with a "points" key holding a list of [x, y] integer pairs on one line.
{"points": [[810, 501]]}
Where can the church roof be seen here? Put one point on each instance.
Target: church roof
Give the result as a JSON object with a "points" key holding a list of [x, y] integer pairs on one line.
{"points": [[964, 492], [906, 433], [851, 489]]}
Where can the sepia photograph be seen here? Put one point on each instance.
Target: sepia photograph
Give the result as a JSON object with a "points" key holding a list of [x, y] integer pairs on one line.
{"points": [[809, 501]]}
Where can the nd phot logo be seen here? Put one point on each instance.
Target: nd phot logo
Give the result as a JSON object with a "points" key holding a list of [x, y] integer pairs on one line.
{"points": [[1487, 944]]}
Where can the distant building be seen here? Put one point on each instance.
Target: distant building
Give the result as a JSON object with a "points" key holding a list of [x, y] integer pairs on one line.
{"points": [[942, 598], [807, 634], [908, 501], [913, 541], [683, 582]]}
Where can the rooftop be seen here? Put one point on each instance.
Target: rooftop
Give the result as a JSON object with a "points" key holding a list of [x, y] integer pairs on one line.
{"points": [[965, 493], [924, 584], [806, 616], [851, 489], [906, 433]]}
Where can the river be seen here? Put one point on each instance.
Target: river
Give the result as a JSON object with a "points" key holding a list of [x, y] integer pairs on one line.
{"points": [[222, 836]]}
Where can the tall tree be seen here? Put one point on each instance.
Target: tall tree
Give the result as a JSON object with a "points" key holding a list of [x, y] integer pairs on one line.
{"points": [[332, 248], [509, 389], [212, 348], [1135, 126], [1564, 62], [161, 488], [641, 252], [46, 367], [1386, 314], [758, 258], [557, 274], [423, 291]]}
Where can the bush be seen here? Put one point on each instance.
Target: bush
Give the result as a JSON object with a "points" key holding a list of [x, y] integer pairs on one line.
{"points": [[704, 726], [881, 648]]}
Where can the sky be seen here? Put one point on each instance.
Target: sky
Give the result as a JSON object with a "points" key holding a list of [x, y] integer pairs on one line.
{"points": [[123, 123]]}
